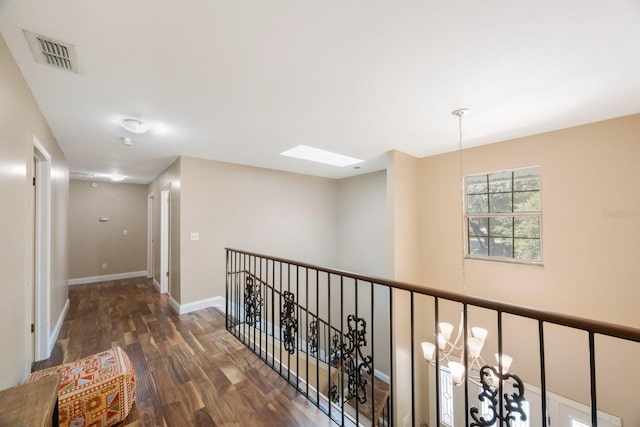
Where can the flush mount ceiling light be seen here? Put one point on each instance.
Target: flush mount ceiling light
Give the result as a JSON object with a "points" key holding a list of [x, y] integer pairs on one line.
{"points": [[116, 177], [134, 125], [81, 175], [321, 156]]}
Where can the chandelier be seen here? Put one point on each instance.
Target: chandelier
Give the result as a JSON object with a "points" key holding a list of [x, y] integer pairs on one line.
{"points": [[451, 353]]}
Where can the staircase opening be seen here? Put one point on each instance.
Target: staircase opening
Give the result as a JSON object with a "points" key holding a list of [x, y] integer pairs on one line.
{"points": [[361, 349]]}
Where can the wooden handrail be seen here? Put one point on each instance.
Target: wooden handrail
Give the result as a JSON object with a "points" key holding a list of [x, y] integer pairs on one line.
{"points": [[589, 325]]}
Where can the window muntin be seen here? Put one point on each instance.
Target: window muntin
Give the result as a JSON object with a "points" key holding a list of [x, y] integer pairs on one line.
{"points": [[503, 215]]}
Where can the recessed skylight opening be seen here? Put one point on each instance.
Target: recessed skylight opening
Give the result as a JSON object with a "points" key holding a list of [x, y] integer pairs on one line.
{"points": [[321, 156]]}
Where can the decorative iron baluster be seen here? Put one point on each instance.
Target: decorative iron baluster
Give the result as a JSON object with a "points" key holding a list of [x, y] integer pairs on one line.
{"points": [[333, 393], [313, 337], [336, 351], [349, 353], [288, 322], [358, 364], [253, 302], [513, 401]]}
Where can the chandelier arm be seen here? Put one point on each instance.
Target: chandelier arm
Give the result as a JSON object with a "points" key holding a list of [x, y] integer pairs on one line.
{"points": [[448, 353], [445, 357], [459, 333]]}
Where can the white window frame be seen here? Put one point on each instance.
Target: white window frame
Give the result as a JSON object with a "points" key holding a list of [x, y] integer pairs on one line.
{"points": [[447, 413], [467, 216]]}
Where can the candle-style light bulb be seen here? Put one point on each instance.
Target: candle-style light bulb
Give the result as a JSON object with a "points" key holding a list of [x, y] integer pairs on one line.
{"points": [[428, 350], [475, 347], [442, 342], [479, 333], [445, 329], [506, 362], [457, 372]]}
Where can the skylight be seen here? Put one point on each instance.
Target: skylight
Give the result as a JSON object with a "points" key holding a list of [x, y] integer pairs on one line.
{"points": [[321, 156]]}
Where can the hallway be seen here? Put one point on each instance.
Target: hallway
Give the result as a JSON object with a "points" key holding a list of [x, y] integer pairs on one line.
{"points": [[190, 370]]}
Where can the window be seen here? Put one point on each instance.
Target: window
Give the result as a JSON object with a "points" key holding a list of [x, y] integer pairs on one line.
{"points": [[446, 397], [503, 215]]}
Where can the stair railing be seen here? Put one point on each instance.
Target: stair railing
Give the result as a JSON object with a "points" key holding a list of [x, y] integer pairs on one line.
{"points": [[350, 343]]}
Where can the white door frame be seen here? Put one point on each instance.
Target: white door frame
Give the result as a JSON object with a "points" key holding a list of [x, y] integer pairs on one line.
{"points": [[42, 264], [150, 236], [165, 238]]}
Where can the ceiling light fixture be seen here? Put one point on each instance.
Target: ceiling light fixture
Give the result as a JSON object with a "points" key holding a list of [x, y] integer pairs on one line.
{"points": [[321, 156], [462, 355], [135, 125], [127, 141], [450, 352], [81, 175]]}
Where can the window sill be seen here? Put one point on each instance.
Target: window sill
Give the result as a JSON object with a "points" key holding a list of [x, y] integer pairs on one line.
{"points": [[505, 260]]}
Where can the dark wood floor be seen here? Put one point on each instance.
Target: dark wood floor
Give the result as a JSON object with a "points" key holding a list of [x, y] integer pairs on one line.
{"points": [[190, 370]]}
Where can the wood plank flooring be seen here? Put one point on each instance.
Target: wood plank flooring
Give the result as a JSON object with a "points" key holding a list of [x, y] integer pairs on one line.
{"points": [[190, 370]]}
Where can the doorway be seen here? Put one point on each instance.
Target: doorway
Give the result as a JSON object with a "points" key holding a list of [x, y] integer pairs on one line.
{"points": [[150, 201], [165, 238], [32, 294], [42, 250]]}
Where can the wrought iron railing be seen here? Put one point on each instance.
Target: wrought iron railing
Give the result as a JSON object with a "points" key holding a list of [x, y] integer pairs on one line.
{"points": [[351, 344]]}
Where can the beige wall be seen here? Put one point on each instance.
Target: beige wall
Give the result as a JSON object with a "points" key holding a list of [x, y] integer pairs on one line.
{"points": [[92, 243], [20, 121], [591, 226], [266, 211], [590, 258], [403, 220], [169, 179], [403, 245], [362, 248], [362, 224]]}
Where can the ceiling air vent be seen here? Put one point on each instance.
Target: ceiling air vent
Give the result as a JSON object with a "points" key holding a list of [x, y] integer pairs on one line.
{"points": [[52, 52]]}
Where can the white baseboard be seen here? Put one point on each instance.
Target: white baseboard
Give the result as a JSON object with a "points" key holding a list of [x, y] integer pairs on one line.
{"points": [[381, 375], [156, 285], [118, 276], [56, 330], [174, 304], [218, 302]]}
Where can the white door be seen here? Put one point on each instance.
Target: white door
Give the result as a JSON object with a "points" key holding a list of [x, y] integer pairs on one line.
{"points": [[34, 222], [150, 201], [42, 250], [165, 237]]}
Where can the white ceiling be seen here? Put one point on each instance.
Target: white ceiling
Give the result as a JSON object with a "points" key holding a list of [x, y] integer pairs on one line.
{"points": [[241, 81]]}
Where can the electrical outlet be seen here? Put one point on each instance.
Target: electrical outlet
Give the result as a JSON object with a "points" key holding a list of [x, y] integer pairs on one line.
{"points": [[125, 232], [104, 265], [195, 236]]}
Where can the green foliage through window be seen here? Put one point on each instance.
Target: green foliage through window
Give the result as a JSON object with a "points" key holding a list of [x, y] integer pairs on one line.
{"points": [[503, 215]]}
